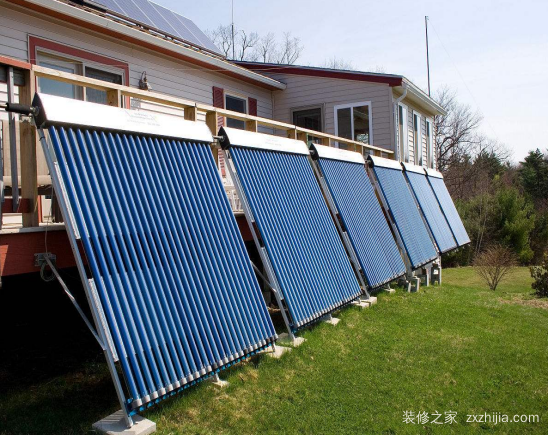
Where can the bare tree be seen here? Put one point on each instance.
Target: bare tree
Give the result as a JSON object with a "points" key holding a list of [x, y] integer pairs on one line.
{"points": [[266, 49], [222, 37], [336, 63], [245, 43], [290, 49], [493, 264], [455, 132], [252, 47]]}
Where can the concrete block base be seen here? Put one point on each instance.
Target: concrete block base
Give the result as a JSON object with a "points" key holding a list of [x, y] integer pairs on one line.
{"points": [[372, 300], [278, 351], [390, 290], [284, 338], [115, 424], [332, 320], [360, 304], [218, 382]]}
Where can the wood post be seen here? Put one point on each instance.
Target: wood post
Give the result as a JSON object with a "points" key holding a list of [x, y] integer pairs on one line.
{"points": [[191, 113], [251, 125], [29, 172], [301, 136], [28, 139], [292, 134], [211, 122], [114, 98]]}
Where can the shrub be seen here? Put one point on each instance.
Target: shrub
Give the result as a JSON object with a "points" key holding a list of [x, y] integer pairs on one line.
{"points": [[494, 263], [539, 273]]}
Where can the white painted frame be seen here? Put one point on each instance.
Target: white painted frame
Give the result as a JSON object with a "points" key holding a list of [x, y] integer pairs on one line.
{"points": [[418, 148], [352, 106], [404, 142]]}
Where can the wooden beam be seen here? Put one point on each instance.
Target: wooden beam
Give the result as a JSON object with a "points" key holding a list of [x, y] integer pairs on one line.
{"points": [[182, 103], [300, 135]]}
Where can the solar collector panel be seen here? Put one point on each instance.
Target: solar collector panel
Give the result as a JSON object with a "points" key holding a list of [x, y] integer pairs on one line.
{"points": [[404, 212], [448, 207], [362, 218], [306, 259], [430, 208], [171, 270], [160, 18]]}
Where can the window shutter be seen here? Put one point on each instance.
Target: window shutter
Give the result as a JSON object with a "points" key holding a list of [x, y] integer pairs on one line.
{"points": [[252, 106], [219, 101]]}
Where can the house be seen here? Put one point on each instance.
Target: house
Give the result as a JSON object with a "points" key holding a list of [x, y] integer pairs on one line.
{"points": [[154, 48], [383, 109]]}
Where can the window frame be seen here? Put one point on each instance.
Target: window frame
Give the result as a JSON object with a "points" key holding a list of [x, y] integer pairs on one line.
{"points": [[404, 141], [352, 106], [418, 147], [237, 97], [311, 107], [85, 58]]}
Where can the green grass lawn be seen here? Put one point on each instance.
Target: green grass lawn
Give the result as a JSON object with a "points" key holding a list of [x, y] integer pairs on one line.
{"points": [[459, 347]]}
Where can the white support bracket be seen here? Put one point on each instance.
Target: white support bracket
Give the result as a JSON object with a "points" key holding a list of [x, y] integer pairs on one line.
{"points": [[218, 382], [329, 319]]}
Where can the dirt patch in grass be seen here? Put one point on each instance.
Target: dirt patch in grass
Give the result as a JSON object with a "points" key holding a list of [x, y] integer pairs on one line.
{"points": [[522, 300]]}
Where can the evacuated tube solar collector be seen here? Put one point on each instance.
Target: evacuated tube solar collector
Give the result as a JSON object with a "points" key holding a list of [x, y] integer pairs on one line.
{"points": [[172, 291], [301, 250], [358, 215]]}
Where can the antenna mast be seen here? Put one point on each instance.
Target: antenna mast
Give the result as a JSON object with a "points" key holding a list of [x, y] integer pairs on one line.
{"points": [[427, 44], [232, 23]]}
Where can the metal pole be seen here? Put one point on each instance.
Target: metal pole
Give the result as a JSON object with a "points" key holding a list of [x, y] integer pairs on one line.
{"points": [[232, 24], [427, 45]]}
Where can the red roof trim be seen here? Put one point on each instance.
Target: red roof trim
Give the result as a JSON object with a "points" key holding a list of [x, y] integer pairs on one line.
{"points": [[318, 72]]}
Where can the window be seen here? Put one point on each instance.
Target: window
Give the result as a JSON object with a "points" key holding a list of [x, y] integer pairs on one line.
{"points": [[429, 137], [308, 118], [236, 104], [403, 133], [74, 66], [53, 87], [418, 149], [353, 121], [95, 95]]}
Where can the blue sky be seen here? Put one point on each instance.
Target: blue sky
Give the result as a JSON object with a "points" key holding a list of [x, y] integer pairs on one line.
{"points": [[493, 53]]}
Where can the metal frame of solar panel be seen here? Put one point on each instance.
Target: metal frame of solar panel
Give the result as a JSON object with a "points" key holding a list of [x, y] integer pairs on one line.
{"points": [[300, 247], [431, 212], [436, 181], [356, 210], [172, 291], [422, 249], [156, 17]]}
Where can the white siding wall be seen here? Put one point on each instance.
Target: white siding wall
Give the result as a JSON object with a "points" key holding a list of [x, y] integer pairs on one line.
{"points": [[411, 109], [165, 75], [305, 91]]}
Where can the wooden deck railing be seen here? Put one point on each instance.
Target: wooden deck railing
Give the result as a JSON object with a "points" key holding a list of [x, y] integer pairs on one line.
{"points": [[116, 94]]}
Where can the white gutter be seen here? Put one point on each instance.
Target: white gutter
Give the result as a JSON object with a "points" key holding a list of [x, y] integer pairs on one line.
{"points": [[395, 112], [99, 21]]}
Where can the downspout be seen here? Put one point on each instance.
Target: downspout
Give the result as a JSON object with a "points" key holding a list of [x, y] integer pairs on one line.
{"points": [[395, 111]]}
